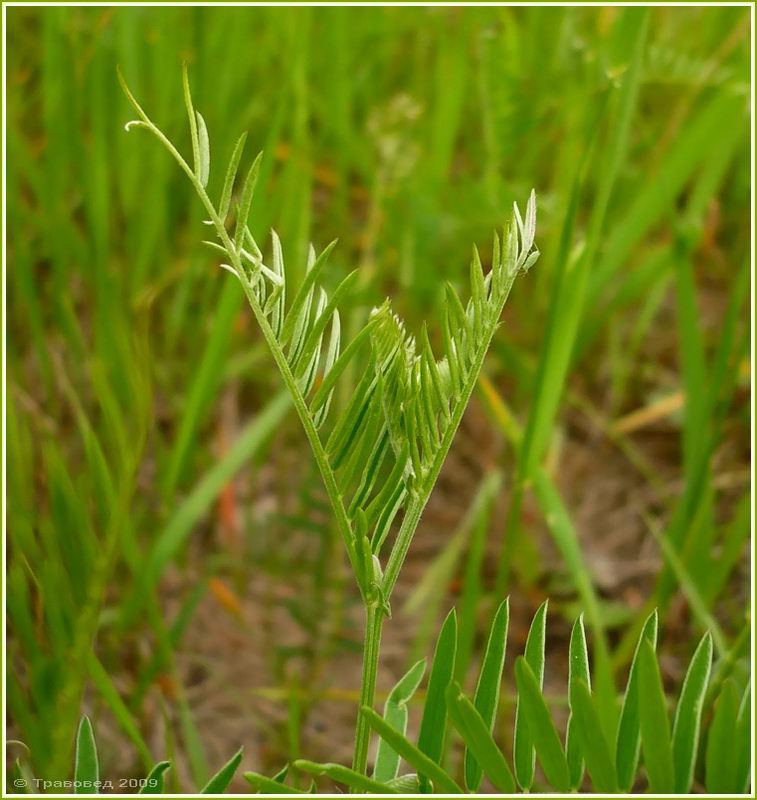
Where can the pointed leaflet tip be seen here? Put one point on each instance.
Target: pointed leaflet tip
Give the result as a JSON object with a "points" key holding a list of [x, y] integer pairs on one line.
{"points": [[518, 217], [86, 764], [230, 269], [530, 221]]}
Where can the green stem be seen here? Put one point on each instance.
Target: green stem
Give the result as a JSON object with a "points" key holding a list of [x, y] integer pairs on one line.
{"points": [[374, 618]]}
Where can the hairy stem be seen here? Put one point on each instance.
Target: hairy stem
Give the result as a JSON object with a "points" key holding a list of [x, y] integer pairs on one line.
{"points": [[374, 619]]}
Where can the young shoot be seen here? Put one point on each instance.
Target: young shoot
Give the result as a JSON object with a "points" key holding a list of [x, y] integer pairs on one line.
{"points": [[381, 454]]}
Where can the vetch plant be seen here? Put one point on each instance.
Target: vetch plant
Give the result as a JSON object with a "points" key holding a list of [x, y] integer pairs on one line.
{"points": [[382, 454]]}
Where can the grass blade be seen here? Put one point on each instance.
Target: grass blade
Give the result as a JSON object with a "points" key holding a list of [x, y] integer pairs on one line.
{"points": [[87, 766], [412, 754], [219, 783], [479, 743], [675, 170], [566, 538], [578, 670], [472, 589], [593, 745], [168, 542], [733, 541], [689, 714], [744, 743], [541, 728], [104, 685], [154, 783], [486, 698], [690, 590], [568, 304], [428, 594], [628, 742], [193, 745], [722, 755], [202, 389], [523, 750], [655, 727], [433, 725], [395, 714], [281, 775]]}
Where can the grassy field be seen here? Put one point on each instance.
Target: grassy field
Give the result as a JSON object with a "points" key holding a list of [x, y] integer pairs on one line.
{"points": [[173, 568]]}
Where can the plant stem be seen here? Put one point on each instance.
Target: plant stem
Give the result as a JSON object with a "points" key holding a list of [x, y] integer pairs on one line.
{"points": [[374, 618]]}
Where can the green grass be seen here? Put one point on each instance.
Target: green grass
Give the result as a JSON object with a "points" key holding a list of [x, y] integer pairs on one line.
{"points": [[406, 134]]}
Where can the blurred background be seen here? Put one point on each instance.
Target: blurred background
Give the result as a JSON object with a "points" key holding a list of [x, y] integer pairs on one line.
{"points": [[172, 566]]}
